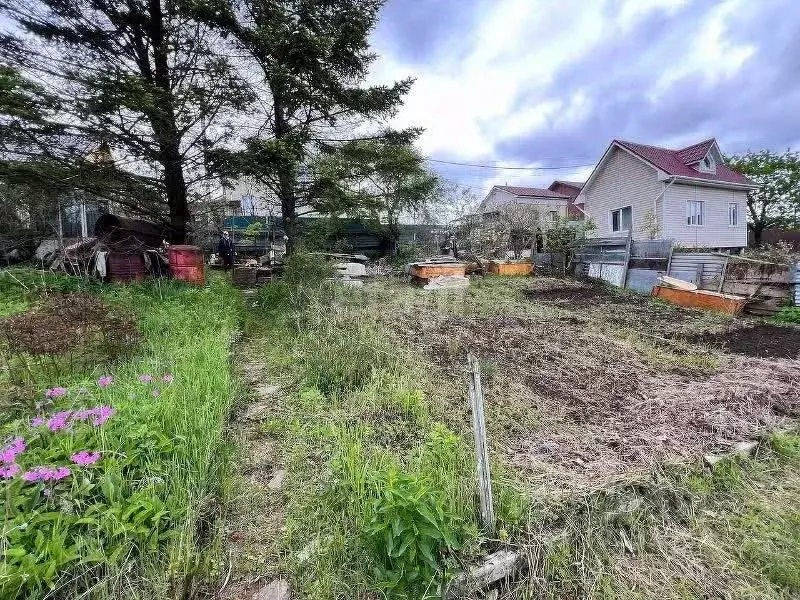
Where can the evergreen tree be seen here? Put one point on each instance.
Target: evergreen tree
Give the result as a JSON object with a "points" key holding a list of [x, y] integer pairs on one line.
{"points": [[140, 76], [312, 58]]}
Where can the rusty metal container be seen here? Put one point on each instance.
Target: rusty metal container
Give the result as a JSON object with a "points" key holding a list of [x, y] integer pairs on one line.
{"points": [[125, 268], [186, 264], [513, 268]]}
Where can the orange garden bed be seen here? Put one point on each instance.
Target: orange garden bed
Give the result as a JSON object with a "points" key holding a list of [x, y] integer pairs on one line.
{"points": [[515, 268], [701, 299]]}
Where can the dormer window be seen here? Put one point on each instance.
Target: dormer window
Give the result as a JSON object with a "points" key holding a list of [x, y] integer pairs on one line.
{"points": [[707, 165]]}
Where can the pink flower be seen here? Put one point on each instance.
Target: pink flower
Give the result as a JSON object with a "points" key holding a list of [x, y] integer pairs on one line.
{"points": [[84, 457], [9, 471], [10, 452], [37, 422], [46, 474], [56, 392], [145, 378], [105, 381], [102, 414], [168, 378], [59, 420]]}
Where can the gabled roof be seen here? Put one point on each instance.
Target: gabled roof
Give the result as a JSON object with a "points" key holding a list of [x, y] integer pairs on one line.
{"points": [[676, 162], [530, 192], [573, 184]]}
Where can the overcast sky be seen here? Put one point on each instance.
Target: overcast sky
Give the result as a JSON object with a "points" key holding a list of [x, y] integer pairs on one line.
{"points": [[551, 82]]}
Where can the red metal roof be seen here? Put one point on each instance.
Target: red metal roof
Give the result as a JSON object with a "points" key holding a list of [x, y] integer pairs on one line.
{"points": [[676, 162], [531, 192]]}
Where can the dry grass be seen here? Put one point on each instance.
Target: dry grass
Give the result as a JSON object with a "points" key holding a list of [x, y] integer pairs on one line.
{"points": [[585, 386]]}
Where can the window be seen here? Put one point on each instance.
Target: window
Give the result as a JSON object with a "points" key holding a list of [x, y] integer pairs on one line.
{"points": [[554, 215], [707, 164], [733, 215], [621, 219], [695, 213]]}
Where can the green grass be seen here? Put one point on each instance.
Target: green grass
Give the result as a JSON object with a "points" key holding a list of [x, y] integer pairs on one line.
{"points": [[381, 494], [141, 523]]}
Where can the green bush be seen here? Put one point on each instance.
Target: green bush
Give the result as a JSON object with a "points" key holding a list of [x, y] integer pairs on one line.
{"points": [[303, 268], [409, 529]]}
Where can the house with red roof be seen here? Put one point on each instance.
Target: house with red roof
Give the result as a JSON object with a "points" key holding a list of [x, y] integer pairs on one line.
{"points": [[689, 195], [549, 204], [571, 189]]}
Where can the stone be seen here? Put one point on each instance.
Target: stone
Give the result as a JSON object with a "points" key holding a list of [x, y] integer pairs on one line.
{"points": [[351, 269], [278, 589], [276, 483], [447, 282]]}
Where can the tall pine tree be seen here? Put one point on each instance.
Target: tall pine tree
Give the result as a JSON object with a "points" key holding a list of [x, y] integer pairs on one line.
{"points": [[312, 58], [140, 76]]}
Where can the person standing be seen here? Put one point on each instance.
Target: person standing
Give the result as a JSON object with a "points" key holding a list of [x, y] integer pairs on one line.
{"points": [[226, 250]]}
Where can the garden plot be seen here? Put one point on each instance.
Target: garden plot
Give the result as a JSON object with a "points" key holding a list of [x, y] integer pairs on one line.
{"points": [[585, 385]]}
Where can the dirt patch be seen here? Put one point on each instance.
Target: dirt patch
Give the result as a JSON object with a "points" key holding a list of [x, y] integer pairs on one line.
{"points": [[569, 402], [761, 341]]}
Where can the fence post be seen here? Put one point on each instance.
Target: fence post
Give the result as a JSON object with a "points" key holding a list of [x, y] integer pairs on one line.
{"points": [[481, 448]]}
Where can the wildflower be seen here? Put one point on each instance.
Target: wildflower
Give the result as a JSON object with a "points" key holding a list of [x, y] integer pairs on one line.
{"points": [[156, 393], [10, 452], [105, 381], [9, 471], [56, 392], [102, 414], [83, 390], [145, 378], [47, 492], [168, 378], [46, 474], [84, 457], [59, 420], [37, 421]]}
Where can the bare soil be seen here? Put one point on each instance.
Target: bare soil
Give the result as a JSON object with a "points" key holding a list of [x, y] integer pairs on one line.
{"points": [[571, 401], [762, 341]]}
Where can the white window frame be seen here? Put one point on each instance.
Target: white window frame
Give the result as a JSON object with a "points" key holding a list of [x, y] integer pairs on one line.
{"points": [[702, 204], [554, 215], [735, 207], [611, 219]]}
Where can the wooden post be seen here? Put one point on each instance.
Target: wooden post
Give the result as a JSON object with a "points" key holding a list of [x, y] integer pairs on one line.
{"points": [[481, 448], [722, 275], [627, 258]]}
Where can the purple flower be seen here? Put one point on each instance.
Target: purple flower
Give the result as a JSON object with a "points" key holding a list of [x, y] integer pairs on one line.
{"points": [[145, 378], [46, 474], [102, 414], [37, 421], [10, 452], [156, 393], [84, 457], [56, 392], [59, 420], [168, 378], [9, 471], [105, 381]]}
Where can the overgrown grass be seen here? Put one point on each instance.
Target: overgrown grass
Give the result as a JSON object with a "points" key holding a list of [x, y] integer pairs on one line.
{"points": [[140, 523], [381, 496]]}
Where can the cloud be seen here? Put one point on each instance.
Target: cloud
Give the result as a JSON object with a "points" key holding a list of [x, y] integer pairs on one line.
{"points": [[532, 82]]}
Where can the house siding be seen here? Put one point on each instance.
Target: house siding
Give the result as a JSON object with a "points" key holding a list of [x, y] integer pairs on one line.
{"points": [[622, 181], [501, 198], [715, 232]]}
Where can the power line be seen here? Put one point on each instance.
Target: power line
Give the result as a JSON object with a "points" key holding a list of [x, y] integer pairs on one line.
{"points": [[546, 168]]}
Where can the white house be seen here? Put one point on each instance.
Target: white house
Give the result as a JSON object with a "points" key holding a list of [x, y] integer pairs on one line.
{"points": [[688, 195], [548, 203]]}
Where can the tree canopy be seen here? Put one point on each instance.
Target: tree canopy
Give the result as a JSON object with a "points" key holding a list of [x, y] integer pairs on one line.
{"points": [[776, 202]]}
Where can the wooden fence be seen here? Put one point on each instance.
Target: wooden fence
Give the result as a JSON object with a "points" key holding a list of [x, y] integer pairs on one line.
{"points": [[638, 265]]}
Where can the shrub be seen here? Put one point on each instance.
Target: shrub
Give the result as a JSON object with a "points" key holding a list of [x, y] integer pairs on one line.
{"points": [[788, 314], [409, 529]]}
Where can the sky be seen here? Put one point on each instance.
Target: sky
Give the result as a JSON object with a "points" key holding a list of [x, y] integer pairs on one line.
{"points": [[549, 83]]}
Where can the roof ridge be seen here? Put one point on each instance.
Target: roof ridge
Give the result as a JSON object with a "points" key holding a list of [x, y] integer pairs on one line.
{"points": [[698, 144]]}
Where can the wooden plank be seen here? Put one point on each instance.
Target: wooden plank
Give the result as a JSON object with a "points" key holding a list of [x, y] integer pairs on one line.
{"points": [[481, 446]]}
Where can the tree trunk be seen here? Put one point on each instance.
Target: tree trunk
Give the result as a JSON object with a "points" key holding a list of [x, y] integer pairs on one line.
{"points": [[287, 178], [165, 130], [757, 230]]}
